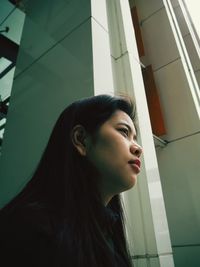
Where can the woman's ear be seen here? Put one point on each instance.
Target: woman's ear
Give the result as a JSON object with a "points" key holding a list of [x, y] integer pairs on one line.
{"points": [[78, 139]]}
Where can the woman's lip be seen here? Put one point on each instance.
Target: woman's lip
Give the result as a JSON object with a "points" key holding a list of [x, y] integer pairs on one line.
{"points": [[136, 162], [135, 167]]}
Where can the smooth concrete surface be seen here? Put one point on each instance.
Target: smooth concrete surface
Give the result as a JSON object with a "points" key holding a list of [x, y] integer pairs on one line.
{"points": [[57, 72], [147, 227], [178, 161]]}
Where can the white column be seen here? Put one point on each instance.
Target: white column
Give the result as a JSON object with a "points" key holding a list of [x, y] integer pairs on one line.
{"points": [[102, 69], [147, 225]]}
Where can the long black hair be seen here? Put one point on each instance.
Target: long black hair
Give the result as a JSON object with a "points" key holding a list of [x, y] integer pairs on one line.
{"points": [[65, 185]]}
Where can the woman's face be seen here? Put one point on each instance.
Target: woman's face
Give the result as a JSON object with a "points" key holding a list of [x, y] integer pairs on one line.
{"points": [[115, 154]]}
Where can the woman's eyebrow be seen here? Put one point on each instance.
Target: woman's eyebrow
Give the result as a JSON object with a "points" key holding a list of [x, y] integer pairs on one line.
{"points": [[129, 128]]}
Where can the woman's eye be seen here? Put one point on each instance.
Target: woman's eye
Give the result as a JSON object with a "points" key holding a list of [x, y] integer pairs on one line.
{"points": [[124, 131]]}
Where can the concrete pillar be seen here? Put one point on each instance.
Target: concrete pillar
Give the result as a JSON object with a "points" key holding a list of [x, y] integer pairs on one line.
{"points": [[147, 226], [64, 55], [54, 68]]}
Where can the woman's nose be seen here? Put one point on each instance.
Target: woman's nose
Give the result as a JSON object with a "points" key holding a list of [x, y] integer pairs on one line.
{"points": [[136, 149]]}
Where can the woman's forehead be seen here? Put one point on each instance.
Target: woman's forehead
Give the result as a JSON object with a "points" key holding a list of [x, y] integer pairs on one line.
{"points": [[120, 116]]}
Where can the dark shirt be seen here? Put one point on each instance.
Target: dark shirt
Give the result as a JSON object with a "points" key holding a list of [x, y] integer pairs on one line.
{"points": [[26, 239], [29, 238]]}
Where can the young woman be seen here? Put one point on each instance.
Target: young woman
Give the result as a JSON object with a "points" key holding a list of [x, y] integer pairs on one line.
{"points": [[70, 214]]}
